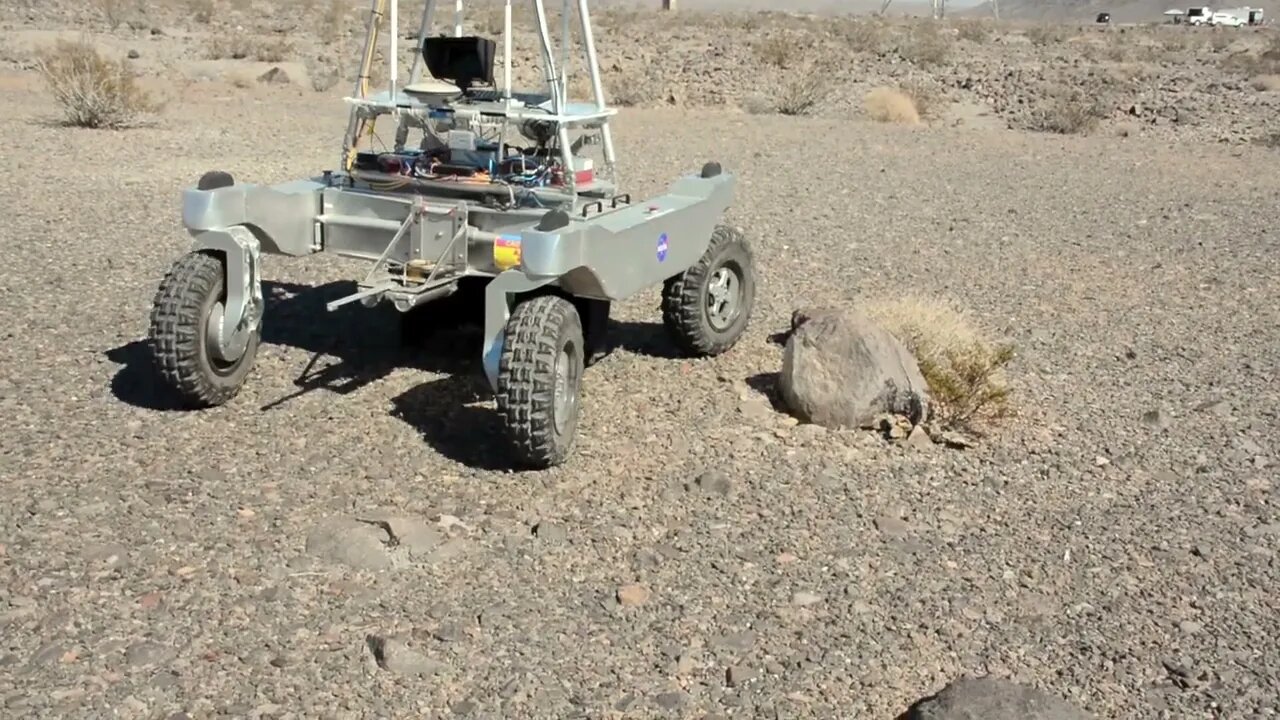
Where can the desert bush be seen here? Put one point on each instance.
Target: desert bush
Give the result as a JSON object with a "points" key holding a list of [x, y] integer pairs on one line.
{"points": [[924, 46], [974, 30], [884, 104], [927, 97], [241, 46], [963, 368], [202, 11], [631, 89], [116, 12], [1266, 83], [785, 50], [93, 91], [1068, 115], [1045, 34], [800, 93], [868, 36]]}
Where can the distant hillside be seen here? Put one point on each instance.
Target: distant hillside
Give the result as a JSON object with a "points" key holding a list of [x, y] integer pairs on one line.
{"points": [[1124, 11]]}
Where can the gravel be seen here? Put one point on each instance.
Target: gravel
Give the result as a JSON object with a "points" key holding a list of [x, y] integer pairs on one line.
{"points": [[344, 540]]}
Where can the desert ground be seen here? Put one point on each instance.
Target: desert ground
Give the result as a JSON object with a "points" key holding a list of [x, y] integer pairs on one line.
{"points": [[1104, 201]]}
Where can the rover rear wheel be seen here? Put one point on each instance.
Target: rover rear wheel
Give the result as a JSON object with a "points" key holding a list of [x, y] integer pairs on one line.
{"points": [[539, 377], [707, 307], [187, 308]]}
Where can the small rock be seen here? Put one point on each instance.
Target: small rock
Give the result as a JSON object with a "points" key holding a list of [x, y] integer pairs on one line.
{"points": [[450, 632], [1190, 626], [632, 595], [550, 532], [804, 599], [991, 698], [147, 653], [955, 440], [1156, 419], [738, 675], [359, 545], [713, 482], [671, 700], [892, 526], [414, 534], [919, 439], [274, 76], [134, 54], [739, 641], [393, 655]]}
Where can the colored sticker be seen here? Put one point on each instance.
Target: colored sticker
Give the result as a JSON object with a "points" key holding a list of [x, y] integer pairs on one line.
{"points": [[662, 247], [506, 252]]}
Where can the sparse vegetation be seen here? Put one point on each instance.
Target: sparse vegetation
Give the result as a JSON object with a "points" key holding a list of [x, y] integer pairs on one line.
{"points": [[242, 46], [1068, 115], [1045, 34], [802, 90], [975, 30], [630, 89], [964, 370], [926, 96], [866, 36], [784, 50], [93, 91], [885, 104], [923, 45]]}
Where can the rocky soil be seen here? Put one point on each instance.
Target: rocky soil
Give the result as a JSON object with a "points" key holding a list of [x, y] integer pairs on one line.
{"points": [[1173, 83], [345, 541]]}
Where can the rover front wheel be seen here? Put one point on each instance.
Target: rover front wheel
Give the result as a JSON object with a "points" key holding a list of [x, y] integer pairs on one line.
{"points": [[184, 317], [539, 376], [707, 307]]}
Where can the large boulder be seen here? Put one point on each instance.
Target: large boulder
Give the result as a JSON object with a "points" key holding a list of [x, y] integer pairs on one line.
{"points": [[841, 369], [991, 698]]}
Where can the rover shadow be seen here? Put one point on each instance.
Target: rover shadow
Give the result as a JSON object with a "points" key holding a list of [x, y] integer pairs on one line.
{"points": [[350, 347], [643, 338], [353, 347]]}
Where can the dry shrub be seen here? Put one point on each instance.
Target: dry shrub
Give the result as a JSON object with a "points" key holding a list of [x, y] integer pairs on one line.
{"points": [[924, 45], [322, 73], [800, 93], [866, 36], [964, 369], [785, 50], [1266, 83], [1068, 115], [92, 91], [975, 30], [884, 104], [631, 89], [1045, 34], [336, 21], [927, 97], [240, 46], [117, 12], [202, 11]]}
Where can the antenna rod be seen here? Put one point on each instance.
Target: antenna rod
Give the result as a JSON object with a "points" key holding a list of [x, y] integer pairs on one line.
{"points": [[457, 18], [395, 48], [506, 50]]}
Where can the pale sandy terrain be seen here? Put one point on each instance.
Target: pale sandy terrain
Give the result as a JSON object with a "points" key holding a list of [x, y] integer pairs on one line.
{"points": [[1114, 543]]}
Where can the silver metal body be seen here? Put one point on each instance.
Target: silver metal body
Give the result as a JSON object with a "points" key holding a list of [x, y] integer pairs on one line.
{"points": [[422, 236]]}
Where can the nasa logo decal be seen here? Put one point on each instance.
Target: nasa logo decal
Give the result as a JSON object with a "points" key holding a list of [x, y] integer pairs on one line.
{"points": [[662, 247]]}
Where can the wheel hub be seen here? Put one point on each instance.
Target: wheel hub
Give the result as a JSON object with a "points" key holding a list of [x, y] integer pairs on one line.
{"points": [[224, 349], [565, 393], [724, 296]]}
